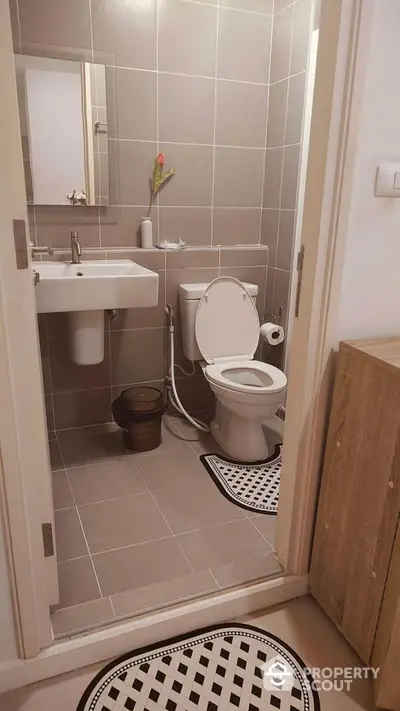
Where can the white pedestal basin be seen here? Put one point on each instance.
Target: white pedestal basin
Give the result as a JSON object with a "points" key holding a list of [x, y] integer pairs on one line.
{"points": [[85, 291]]}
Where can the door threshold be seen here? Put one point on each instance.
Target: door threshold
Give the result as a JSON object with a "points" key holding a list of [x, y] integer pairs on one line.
{"points": [[102, 644]]}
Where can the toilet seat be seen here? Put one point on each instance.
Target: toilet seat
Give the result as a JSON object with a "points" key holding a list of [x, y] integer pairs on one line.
{"points": [[247, 376]]}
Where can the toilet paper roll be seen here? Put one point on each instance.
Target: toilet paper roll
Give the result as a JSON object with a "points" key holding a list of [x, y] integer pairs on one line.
{"points": [[272, 333]]}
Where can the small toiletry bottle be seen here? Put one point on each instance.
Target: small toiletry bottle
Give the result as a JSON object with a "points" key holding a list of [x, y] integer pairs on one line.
{"points": [[147, 232]]}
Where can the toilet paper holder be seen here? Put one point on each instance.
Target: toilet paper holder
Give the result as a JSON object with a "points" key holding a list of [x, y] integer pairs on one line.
{"points": [[276, 318]]}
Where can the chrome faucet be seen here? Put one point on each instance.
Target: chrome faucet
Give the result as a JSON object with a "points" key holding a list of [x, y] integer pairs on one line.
{"points": [[76, 249]]}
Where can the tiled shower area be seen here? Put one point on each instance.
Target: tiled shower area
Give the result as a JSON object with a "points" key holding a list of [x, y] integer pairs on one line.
{"points": [[219, 87], [137, 531]]}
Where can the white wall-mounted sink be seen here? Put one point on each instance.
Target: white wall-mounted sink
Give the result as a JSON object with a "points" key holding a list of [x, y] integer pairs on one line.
{"points": [[94, 285], [85, 291]]}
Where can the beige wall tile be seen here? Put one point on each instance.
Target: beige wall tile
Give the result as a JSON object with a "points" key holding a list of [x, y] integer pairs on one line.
{"points": [[150, 258], [285, 239], [238, 177], [192, 224], [281, 292], [294, 123], [82, 408], [186, 108], [264, 6], [140, 565], [277, 114], [273, 177], [121, 226], [280, 5], [77, 582], [251, 257], [191, 186], [126, 32], [236, 226], [241, 114], [281, 42], [137, 356], [65, 25], [131, 166], [301, 36], [80, 617], [54, 224], [135, 89], [187, 37], [193, 259], [269, 233], [66, 375], [290, 176], [243, 46], [158, 594]]}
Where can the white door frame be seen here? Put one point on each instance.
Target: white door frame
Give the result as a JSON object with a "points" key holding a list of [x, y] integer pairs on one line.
{"points": [[307, 401], [343, 35], [25, 469]]}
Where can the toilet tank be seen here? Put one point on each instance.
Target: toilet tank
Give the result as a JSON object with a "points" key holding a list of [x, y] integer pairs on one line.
{"points": [[189, 299]]}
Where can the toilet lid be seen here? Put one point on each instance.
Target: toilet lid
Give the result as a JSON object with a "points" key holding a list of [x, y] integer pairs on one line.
{"points": [[227, 323]]}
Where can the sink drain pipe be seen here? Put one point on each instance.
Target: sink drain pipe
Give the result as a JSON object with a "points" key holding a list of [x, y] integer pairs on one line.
{"points": [[171, 384]]}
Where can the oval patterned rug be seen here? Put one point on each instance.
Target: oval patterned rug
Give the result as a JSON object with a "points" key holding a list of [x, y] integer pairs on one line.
{"points": [[231, 666]]}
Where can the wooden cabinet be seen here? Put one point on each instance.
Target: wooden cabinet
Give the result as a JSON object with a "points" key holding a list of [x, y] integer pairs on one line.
{"points": [[359, 502]]}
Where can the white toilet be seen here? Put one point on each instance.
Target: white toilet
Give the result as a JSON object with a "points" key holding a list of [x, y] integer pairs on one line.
{"points": [[221, 329]]}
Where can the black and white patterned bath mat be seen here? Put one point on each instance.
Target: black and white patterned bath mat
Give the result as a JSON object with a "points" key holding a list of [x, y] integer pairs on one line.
{"points": [[251, 486], [221, 668]]}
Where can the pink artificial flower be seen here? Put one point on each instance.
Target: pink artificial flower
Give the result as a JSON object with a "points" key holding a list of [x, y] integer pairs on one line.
{"points": [[161, 159]]}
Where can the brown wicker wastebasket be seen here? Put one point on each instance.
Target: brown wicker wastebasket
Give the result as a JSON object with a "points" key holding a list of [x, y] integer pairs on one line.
{"points": [[139, 411]]}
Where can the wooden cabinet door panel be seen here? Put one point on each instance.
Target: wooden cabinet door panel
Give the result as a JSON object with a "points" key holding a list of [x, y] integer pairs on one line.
{"points": [[359, 500]]}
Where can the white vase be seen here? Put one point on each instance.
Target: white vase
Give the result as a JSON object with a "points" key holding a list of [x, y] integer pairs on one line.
{"points": [[147, 232]]}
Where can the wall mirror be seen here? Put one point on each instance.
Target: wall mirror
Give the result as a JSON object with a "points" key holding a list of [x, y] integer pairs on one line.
{"points": [[63, 117]]}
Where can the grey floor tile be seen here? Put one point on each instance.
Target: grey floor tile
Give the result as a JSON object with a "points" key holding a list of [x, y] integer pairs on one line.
{"points": [[83, 446], [122, 522], [70, 620], [243, 571], [267, 527], [144, 564], [194, 506], [77, 582], [56, 461], [162, 472], [62, 496], [221, 544], [70, 540], [105, 480], [167, 592]]}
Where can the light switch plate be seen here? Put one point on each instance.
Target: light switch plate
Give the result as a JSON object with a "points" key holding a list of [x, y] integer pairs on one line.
{"points": [[387, 181]]}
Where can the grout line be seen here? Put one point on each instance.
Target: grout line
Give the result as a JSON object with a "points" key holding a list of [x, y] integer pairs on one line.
{"points": [[112, 606], [83, 530], [290, 76], [184, 143], [228, 8], [214, 147], [166, 521], [189, 76], [291, 4], [214, 578], [249, 518]]}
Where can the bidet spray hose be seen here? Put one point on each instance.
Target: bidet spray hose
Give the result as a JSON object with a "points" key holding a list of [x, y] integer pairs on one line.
{"points": [[175, 399]]}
